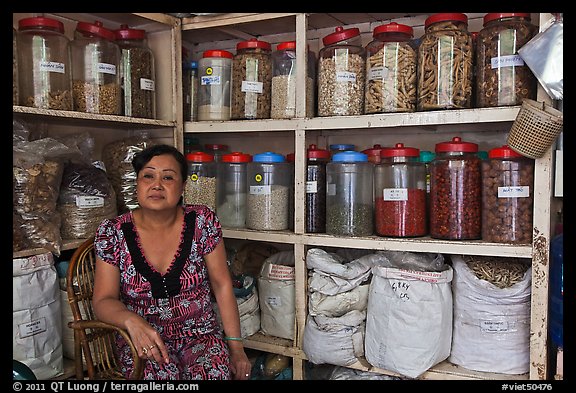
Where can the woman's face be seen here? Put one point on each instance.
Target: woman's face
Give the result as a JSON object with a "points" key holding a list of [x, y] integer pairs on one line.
{"points": [[159, 184]]}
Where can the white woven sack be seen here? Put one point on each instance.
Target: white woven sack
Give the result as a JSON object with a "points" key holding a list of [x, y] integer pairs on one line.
{"points": [[339, 304], [249, 314]]}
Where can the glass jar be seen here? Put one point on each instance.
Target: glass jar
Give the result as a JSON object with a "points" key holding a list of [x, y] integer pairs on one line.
{"points": [[455, 191], [137, 74], [391, 70], [502, 76], [190, 90], [14, 67], [283, 104], [507, 197], [341, 73], [373, 153], [215, 73], [200, 187], [445, 63], [44, 71], [340, 147], [400, 193], [268, 196], [231, 186], [96, 70], [217, 150], [426, 158], [316, 189], [252, 80], [349, 195]]}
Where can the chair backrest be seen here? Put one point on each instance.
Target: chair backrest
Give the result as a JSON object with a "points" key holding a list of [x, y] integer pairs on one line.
{"points": [[94, 341]]}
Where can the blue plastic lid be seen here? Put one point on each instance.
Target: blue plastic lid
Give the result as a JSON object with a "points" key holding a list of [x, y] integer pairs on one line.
{"points": [[268, 157], [189, 65], [342, 146], [426, 155], [350, 156]]}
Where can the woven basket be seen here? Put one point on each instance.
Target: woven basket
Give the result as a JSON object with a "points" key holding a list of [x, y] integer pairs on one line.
{"points": [[535, 129]]}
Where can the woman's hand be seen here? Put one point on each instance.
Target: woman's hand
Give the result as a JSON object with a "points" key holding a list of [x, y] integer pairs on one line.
{"points": [[147, 340], [239, 363]]}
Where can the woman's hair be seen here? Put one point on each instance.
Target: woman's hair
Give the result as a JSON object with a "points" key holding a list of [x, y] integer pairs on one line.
{"points": [[142, 158]]}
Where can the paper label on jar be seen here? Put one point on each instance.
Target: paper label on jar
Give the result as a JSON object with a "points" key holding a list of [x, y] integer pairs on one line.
{"points": [[210, 80], [514, 192], [252, 87], [106, 68], [345, 76], [494, 326], [147, 84], [311, 187], [395, 194], [89, 201], [260, 190], [378, 73], [506, 61], [331, 189], [52, 66]]}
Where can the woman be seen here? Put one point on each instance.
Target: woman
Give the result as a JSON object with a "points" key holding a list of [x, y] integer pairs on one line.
{"points": [[157, 267]]}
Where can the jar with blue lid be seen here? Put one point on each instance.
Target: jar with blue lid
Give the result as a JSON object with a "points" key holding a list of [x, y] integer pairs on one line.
{"points": [[349, 195], [268, 194], [340, 147]]}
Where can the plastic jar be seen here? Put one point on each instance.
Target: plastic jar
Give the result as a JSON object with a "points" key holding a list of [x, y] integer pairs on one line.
{"points": [[349, 195], [400, 193], [217, 150], [252, 80], [426, 158], [283, 104], [391, 70], [268, 196], [316, 189], [95, 70], [200, 187], [190, 90], [14, 67], [231, 186], [340, 147], [44, 71], [455, 191], [214, 73], [373, 153], [445, 63], [502, 76], [507, 196], [341, 73], [137, 73]]}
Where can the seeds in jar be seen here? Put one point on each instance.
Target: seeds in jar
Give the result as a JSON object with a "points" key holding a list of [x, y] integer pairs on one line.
{"points": [[96, 98], [201, 191], [251, 85], [138, 83], [284, 97], [341, 81], [58, 100], [268, 211]]}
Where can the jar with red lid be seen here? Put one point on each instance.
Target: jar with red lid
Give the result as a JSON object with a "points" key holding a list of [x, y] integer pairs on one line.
{"points": [[214, 85], [400, 193], [252, 80], [373, 153], [96, 70], [200, 186], [341, 73], [44, 64], [507, 197], [231, 186], [455, 191], [445, 63], [316, 189], [137, 73], [502, 76], [391, 70]]}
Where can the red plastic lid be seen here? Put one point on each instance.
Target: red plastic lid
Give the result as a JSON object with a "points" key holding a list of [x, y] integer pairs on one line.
{"points": [[374, 150], [456, 144], [291, 157], [236, 157], [254, 43], [446, 16], [40, 21], [501, 15], [95, 29], [288, 45], [125, 33], [314, 152], [217, 53], [393, 27], [400, 151], [199, 156], [503, 152], [340, 34]]}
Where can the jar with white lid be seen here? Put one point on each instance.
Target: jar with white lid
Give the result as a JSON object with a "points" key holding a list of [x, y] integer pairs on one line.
{"points": [[284, 68], [445, 63], [252, 80], [214, 85], [391, 70], [502, 76], [44, 64], [137, 73], [96, 83], [341, 73], [231, 186], [507, 197], [200, 187]]}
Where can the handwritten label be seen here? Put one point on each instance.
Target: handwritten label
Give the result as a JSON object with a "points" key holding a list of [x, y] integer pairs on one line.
{"points": [[260, 190], [106, 68], [494, 326], [52, 66], [506, 61], [311, 187], [378, 73], [401, 289], [33, 327], [86, 201], [252, 87], [274, 301], [395, 194], [210, 80], [514, 192], [147, 84], [345, 76]]}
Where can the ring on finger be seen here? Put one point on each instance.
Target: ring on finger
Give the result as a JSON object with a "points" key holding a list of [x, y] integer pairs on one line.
{"points": [[151, 347], [144, 350]]}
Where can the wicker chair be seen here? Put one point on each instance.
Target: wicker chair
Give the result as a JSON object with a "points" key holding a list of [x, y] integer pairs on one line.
{"points": [[93, 340]]}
